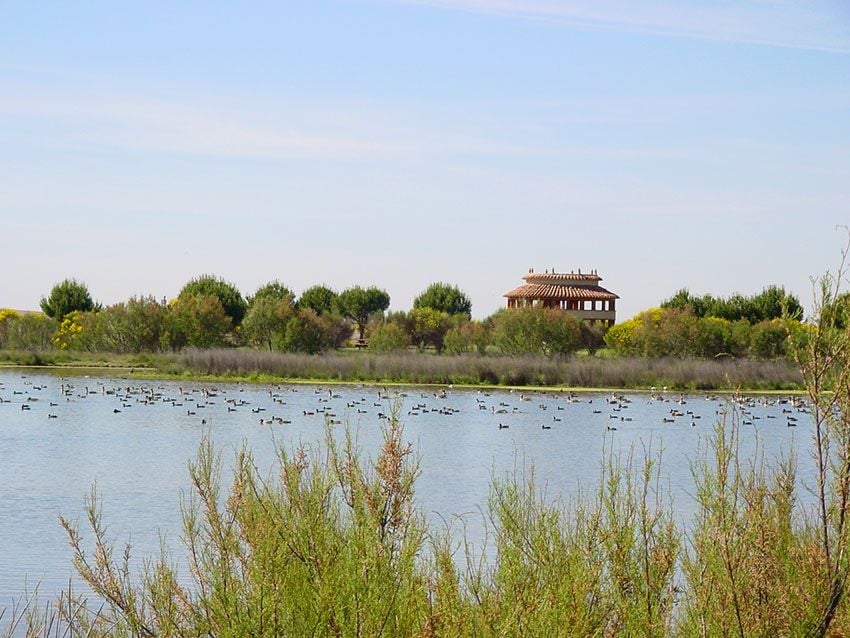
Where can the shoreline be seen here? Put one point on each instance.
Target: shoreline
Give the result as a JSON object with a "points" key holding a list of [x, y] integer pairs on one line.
{"points": [[156, 374]]}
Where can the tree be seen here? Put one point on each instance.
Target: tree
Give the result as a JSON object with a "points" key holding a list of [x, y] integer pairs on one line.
{"points": [[771, 303], [388, 337], [358, 304], [76, 332], [198, 321], [713, 337], [774, 303], [32, 332], [272, 290], [769, 340], [305, 332], [546, 331], [837, 311], [320, 299], [145, 322], [684, 300], [667, 332], [137, 325], [7, 317], [66, 297], [227, 294], [467, 336], [592, 336], [445, 298], [265, 323], [428, 327]]}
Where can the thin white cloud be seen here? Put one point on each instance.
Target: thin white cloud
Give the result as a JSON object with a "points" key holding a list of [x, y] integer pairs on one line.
{"points": [[66, 118], [821, 25], [110, 121]]}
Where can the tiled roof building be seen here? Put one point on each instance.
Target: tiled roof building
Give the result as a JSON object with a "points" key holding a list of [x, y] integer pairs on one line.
{"points": [[577, 293]]}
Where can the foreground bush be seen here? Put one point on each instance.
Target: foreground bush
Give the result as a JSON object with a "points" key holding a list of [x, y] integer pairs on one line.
{"points": [[335, 546]]}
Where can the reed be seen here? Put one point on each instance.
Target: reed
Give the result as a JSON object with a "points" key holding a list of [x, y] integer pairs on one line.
{"points": [[415, 367]]}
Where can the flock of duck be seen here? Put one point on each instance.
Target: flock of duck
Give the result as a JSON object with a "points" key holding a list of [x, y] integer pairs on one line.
{"points": [[283, 404]]}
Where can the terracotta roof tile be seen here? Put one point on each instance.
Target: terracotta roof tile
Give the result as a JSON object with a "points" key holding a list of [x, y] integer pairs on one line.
{"points": [[543, 291]]}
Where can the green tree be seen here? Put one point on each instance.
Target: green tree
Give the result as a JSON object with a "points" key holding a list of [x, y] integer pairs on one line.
{"points": [[713, 337], [428, 327], [592, 336], [771, 303], [66, 297], [837, 312], [272, 290], [265, 323], [336, 327], [467, 336], [546, 331], [145, 321], [320, 299], [684, 300], [769, 340], [228, 295], [388, 337], [445, 298], [32, 332], [358, 304], [7, 317], [197, 321], [667, 332], [306, 332], [622, 338], [774, 303]]}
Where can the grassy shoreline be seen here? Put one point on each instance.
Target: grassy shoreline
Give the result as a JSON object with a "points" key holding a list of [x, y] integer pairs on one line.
{"points": [[575, 374]]}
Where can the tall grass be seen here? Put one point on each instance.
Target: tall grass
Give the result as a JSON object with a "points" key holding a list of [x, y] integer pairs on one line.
{"points": [[410, 367]]}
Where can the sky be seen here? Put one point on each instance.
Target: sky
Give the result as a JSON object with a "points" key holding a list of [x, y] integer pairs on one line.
{"points": [[395, 143]]}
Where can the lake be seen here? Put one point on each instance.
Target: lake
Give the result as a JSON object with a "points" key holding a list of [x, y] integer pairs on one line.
{"points": [[61, 434]]}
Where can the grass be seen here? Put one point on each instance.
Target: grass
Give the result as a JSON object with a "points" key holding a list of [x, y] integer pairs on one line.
{"points": [[425, 368], [66, 358], [421, 368]]}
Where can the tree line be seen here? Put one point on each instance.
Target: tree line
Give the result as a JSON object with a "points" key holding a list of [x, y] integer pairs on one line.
{"points": [[211, 312]]}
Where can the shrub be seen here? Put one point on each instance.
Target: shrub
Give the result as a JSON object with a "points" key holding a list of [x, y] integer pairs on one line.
{"points": [[535, 331], [388, 337], [197, 321]]}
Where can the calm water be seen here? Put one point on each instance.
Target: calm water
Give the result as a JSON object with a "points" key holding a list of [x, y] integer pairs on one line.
{"points": [[134, 441]]}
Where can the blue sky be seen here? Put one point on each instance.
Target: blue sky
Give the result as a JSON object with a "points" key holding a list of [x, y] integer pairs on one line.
{"points": [[399, 142]]}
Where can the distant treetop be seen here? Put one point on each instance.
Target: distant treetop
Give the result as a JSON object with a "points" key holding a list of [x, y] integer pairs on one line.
{"points": [[272, 290], [445, 298], [320, 299], [771, 303], [66, 297], [228, 294]]}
